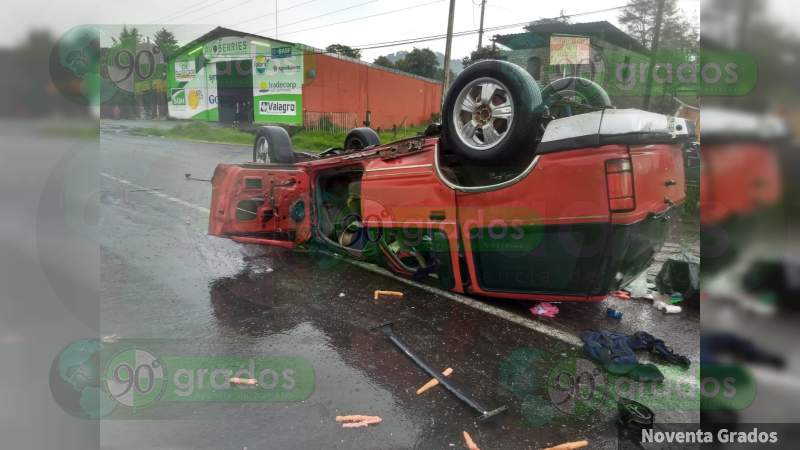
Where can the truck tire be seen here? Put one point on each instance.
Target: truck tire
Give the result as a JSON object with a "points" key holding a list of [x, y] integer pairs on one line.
{"points": [[589, 92], [491, 113], [361, 138], [273, 146]]}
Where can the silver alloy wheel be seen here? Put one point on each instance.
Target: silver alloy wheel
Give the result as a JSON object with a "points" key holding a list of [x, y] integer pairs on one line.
{"points": [[262, 150], [483, 113]]}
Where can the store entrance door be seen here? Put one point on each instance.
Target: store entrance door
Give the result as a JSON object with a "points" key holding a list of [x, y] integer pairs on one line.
{"points": [[235, 91]]}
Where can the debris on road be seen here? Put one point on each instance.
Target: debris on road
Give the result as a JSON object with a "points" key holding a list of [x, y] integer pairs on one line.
{"points": [[471, 445], [110, 339], [615, 352], [190, 177], [358, 421], [570, 445], [341, 294], [485, 412], [244, 381], [544, 309], [621, 295], [634, 415], [434, 382], [614, 314], [392, 294], [680, 275], [665, 307]]}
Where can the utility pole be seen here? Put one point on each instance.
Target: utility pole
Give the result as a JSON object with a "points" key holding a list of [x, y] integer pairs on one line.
{"points": [[447, 49], [276, 19], [653, 51], [480, 31]]}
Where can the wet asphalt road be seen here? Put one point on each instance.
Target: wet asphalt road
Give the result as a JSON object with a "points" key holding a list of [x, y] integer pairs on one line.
{"points": [[162, 278]]}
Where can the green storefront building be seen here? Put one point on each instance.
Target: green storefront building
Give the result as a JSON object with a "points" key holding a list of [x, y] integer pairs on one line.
{"points": [[227, 75]]}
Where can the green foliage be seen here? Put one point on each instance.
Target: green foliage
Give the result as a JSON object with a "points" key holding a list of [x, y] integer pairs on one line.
{"points": [[128, 37], [344, 50], [420, 61], [198, 131], [302, 140], [483, 53], [165, 40], [384, 62], [639, 20]]}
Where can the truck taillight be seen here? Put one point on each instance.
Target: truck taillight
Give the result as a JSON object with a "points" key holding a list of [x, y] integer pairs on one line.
{"points": [[619, 177]]}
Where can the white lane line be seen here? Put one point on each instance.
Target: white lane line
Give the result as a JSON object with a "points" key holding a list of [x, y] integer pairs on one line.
{"points": [[147, 190], [464, 300], [539, 327]]}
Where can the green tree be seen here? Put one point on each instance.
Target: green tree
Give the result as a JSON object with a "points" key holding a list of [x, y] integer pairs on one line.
{"points": [[383, 61], [165, 40], [128, 37], [344, 50], [483, 53], [639, 20], [420, 61]]}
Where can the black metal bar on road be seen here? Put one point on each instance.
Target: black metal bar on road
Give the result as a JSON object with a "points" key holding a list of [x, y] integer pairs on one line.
{"points": [[485, 412]]}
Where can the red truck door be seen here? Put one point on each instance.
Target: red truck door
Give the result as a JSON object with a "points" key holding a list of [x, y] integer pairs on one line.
{"points": [[260, 204], [416, 212]]}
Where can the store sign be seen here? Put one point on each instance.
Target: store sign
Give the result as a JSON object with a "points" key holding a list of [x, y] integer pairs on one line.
{"points": [[195, 98], [178, 97], [281, 52], [277, 108], [261, 64], [570, 50], [185, 70], [227, 46]]}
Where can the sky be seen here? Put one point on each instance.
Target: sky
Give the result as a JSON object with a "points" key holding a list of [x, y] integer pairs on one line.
{"points": [[311, 22]]}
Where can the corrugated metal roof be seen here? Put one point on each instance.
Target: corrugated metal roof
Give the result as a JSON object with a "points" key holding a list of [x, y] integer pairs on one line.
{"points": [[538, 35]]}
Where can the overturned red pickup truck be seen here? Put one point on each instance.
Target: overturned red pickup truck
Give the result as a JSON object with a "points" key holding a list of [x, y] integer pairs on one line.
{"points": [[521, 192]]}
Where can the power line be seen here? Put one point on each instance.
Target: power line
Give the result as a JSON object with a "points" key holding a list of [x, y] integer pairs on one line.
{"points": [[223, 10], [200, 8], [468, 32], [181, 11], [272, 13], [365, 17], [321, 15]]}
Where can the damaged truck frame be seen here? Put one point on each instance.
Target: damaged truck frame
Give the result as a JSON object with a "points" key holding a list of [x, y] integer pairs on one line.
{"points": [[520, 193]]}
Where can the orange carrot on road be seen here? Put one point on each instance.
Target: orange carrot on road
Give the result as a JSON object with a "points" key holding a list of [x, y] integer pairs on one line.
{"points": [[471, 445], [356, 421], [433, 382], [394, 294], [569, 445]]}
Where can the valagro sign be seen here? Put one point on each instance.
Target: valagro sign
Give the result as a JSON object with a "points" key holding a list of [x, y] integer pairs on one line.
{"points": [[278, 108]]}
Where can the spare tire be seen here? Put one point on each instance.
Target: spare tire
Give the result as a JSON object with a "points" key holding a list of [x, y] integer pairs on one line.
{"points": [[361, 138], [491, 112], [273, 146], [587, 91]]}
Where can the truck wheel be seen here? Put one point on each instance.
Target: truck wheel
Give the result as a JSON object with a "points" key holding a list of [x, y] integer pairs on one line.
{"points": [[491, 112], [577, 91], [360, 138], [273, 146]]}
